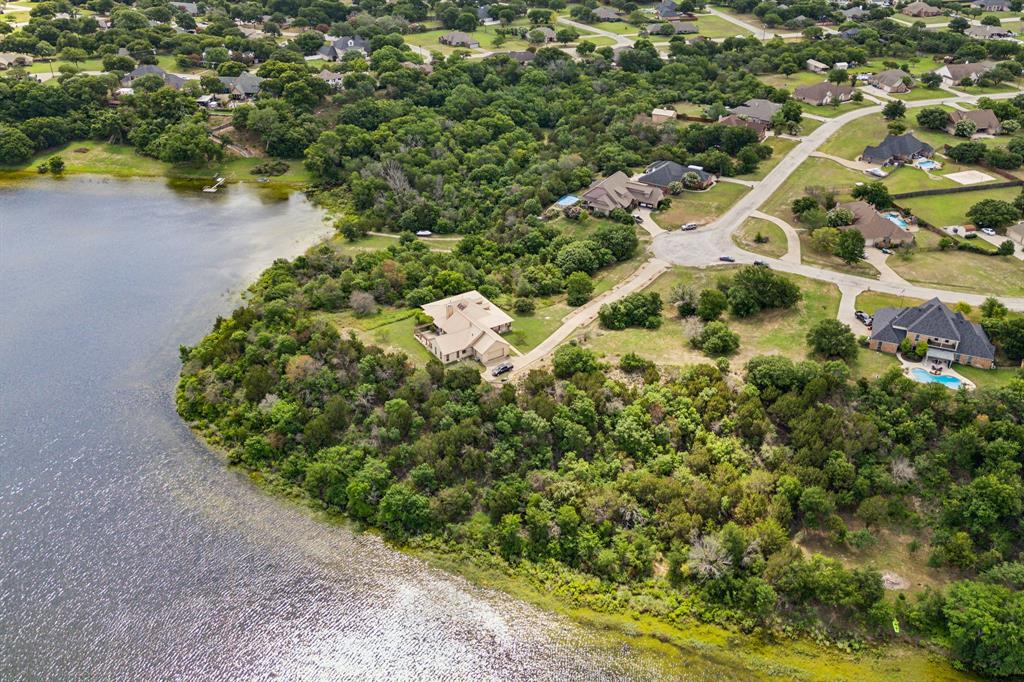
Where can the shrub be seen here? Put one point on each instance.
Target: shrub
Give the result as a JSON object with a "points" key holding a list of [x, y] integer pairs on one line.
{"points": [[362, 303], [711, 304], [642, 309], [524, 306], [578, 287], [833, 339], [716, 339], [572, 359]]}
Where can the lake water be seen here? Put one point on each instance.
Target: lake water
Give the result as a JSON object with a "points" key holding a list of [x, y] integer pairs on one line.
{"points": [[127, 550]]}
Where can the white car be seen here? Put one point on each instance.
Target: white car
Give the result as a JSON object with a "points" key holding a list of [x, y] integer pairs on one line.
{"points": [[989, 231]]}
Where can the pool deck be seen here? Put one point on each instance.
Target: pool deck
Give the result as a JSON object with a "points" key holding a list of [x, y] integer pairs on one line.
{"points": [[948, 372]]}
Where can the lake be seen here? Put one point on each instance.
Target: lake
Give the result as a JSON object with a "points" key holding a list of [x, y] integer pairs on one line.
{"points": [[127, 550]]}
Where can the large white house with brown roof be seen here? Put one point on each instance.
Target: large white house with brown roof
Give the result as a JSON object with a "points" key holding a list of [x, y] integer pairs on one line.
{"points": [[466, 326]]}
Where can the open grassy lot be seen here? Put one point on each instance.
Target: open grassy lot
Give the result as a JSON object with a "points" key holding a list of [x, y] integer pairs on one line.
{"points": [[918, 65], [960, 270], [791, 82], [600, 41], [830, 111], [780, 147], [123, 161], [871, 301], [850, 140], [699, 207], [989, 89], [485, 34], [951, 209], [918, 93], [584, 227], [809, 125], [688, 108], [812, 172], [529, 330], [775, 332], [379, 243], [744, 237], [618, 27], [710, 26], [810, 255]]}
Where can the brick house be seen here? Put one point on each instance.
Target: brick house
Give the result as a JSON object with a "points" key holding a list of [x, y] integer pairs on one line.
{"points": [[950, 336]]}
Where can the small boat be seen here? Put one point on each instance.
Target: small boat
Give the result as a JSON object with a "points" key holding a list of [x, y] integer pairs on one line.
{"points": [[215, 186]]}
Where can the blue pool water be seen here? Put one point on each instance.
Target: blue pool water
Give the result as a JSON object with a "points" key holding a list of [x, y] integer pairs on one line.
{"points": [[567, 200], [924, 377], [897, 219], [927, 164]]}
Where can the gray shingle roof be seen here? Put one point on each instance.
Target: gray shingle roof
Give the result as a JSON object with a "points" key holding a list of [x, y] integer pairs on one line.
{"points": [[933, 319], [757, 109], [903, 146]]}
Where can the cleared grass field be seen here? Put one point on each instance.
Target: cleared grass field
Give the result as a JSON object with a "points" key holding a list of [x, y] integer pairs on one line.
{"points": [[951, 209], [960, 270], [699, 207], [780, 332], [812, 172], [710, 26], [796, 80], [829, 111], [810, 255], [850, 140]]}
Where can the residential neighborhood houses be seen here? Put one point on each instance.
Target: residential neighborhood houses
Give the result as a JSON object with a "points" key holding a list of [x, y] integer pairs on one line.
{"points": [[617, 191], [458, 39], [758, 110], [337, 48], [989, 32], [891, 81], [984, 120], [955, 74], [921, 9]]}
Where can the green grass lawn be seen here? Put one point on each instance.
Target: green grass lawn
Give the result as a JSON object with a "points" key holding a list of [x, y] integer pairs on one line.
{"points": [[123, 161], [990, 378], [391, 329], [775, 247], [951, 209], [810, 255], [774, 332], [812, 172], [988, 90], [710, 26], [809, 125], [485, 35], [960, 270], [918, 93], [918, 65], [780, 147], [791, 82], [617, 27], [871, 364], [600, 41], [699, 207], [849, 141], [688, 108], [529, 330], [829, 111], [54, 66]]}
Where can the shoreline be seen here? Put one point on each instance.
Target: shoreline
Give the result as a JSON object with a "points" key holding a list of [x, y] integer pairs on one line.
{"points": [[672, 646]]}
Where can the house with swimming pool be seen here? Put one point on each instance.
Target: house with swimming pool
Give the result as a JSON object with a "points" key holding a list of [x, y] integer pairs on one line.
{"points": [[889, 229], [950, 336]]}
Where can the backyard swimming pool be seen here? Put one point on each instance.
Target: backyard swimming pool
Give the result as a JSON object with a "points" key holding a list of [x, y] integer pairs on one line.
{"points": [[567, 200], [924, 377], [897, 220], [927, 164]]}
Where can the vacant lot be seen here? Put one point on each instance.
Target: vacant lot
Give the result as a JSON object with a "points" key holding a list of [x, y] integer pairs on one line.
{"points": [[774, 332], [851, 139], [700, 207], [830, 111], [780, 147], [710, 26], [810, 255], [812, 172], [960, 270], [745, 238], [951, 209], [792, 81]]}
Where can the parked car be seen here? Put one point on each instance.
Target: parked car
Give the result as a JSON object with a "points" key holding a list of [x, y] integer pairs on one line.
{"points": [[689, 226], [865, 319], [424, 233], [886, 251], [638, 219], [501, 369], [761, 263], [989, 231], [727, 259]]}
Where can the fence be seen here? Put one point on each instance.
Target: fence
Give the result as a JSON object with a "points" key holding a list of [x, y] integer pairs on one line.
{"points": [[959, 190]]}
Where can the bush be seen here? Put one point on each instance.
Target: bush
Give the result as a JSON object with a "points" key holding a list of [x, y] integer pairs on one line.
{"points": [[642, 309], [572, 359], [833, 339], [716, 339], [362, 303], [525, 306], [711, 304], [634, 364], [578, 287]]}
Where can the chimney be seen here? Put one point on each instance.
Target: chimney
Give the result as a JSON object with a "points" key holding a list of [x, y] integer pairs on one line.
{"points": [[449, 310]]}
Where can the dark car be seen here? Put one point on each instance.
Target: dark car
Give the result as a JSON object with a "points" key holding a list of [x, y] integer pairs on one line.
{"points": [[760, 263], [501, 369], [863, 317], [727, 259], [638, 219]]}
